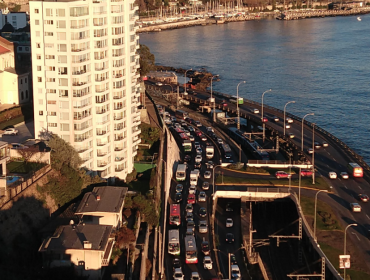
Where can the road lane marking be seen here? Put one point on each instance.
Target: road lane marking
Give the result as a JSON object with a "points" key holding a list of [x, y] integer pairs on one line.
{"points": [[356, 236], [360, 188], [346, 187], [367, 216]]}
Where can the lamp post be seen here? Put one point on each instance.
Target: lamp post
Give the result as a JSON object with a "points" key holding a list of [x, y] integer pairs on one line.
{"points": [[284, 112], [185, 93], [345, 245], [263, 123], [212, 100], [237, 103], [165, 219], [314, 222], [309, 114], [313, 153]]}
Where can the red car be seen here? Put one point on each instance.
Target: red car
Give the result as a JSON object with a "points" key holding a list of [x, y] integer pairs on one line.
{"points": [[363, 197], [191, 198], [282, 174], [265, 120], [306, 172], [198, 133]]}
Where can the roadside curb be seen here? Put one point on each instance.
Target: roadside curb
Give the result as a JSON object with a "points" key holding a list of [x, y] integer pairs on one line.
{"points": [[19, 124], [245, 172]]}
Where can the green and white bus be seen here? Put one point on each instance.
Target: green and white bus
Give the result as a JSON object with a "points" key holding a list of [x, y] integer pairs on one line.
{"points": [[233, 99]]}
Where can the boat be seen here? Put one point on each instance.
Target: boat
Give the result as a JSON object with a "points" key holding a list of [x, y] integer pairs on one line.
{"points": [[358, 18]]}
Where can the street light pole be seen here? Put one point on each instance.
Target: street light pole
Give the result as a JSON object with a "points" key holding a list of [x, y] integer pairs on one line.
{"points": [[213, 178], [214, 101], [313, 153], [309, 114], [185, 80], [345, 243], [314, 222], [229, 255], [237, 103], [285, 111], [165, 219], [263, 123]]}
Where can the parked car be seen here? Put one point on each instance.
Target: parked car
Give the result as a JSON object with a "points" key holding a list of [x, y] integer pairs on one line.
{"points": [[203, 227], [202, 212], [179, 188], [10, 131], [332, 175], [207, 174], [306, 172], [282, 174], [229, 222], [229, 237], [191, 198], [363, 197], [205, 247], [202, 196], [205, 186], [207, 262]]}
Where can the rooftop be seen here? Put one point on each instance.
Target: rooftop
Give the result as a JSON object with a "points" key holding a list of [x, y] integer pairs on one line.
{"points": [[103, 199], [77, 237], [3, 50]]}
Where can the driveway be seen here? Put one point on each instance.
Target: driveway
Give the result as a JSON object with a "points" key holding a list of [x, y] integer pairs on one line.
{"points": [[25, 131]]}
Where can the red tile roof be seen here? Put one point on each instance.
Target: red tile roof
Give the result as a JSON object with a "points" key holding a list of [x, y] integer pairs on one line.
{"points": [[3, 50]]}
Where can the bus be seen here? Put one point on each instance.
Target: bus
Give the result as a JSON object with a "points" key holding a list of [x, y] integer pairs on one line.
{"points": [[187, 145], [181, 114], [226, 151], [234, 98], [355, 170], [181, 172], [175, 214], [174, 242], [190, 249]]}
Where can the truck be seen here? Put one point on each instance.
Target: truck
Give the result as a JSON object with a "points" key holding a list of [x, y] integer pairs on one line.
{"points": [[210, 151], [194, 175]]}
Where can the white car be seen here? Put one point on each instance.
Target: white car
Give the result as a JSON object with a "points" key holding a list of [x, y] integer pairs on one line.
{"points": [[202, 196], [11, 131], [310, 150], [289, 120], [332, 175], [235, 272], [195, 276], [158, 84], [291, 135], [191, 138], [203, 227], [192, 189], [287, 126], [187, 132], [355, 207], [276, 119], [199, 151], [207, 174], [177, 274], [344, 175], [207, 262], [198, 159], [229, 222], [256, 111]]}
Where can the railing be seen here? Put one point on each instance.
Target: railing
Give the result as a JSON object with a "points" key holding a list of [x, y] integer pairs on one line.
{"points": [[99, 133], [102, 164], [79, 72], [81, 117], [102, 154]]}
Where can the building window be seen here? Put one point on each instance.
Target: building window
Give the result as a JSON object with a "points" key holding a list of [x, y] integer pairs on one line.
{"points": [[39, 79], [26, 94], [39, 68], [37, 22], [48, 22], [41, 113], [38, 45], [37, 33], [36, 11], [38, 56], [27, 48], [22, 95], [61, 13], [49, 12], [49, 34], [52, 113], [41, 101], [52, 125], [52, 102]]}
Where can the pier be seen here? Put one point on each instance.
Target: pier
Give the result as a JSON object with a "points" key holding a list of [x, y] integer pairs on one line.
{"points": [[301, 14]]}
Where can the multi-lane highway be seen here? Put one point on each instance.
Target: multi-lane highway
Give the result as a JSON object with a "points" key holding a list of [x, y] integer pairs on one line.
{"points": [[326, 159]]}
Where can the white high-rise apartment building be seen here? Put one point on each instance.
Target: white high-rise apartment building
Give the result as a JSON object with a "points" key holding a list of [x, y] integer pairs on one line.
{"points": [[85, 71]]}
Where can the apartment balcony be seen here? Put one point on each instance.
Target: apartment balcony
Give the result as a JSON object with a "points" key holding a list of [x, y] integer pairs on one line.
{"points": [[101, 133], [79, 72], [118, 107], [118, 138], [116, 97], [102, 164], [118, 76], [80, 38], [119, 169], [78, 118], [118, 148], [119, 158], [79, 26], [81, 150], [79, 50], [99, 112], [102, 79], [101, 101], [100, 68], [79, 84], [118, 128], [101, 154], [101, 90], [102, 144], [82, 139], [76, 61], [100, 57], [118, 118]]}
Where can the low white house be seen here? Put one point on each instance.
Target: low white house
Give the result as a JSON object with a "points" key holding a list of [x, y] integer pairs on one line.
{"points": [[103, 206], [87, 247]]}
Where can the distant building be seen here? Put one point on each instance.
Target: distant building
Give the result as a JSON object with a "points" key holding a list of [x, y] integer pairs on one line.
{"points": [[14, 83], [86, 247], [17, 20], [103, 206]]}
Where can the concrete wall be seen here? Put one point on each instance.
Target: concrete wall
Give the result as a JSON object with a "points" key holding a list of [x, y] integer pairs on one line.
{"points": [[99, 218], [37, 157]]}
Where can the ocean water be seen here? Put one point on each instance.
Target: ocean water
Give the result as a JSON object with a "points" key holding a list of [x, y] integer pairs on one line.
{"points": [[322, 64]]}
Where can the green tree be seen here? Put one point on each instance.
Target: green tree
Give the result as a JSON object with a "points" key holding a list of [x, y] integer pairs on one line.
{"points": [[147, 60], [17, 8]]}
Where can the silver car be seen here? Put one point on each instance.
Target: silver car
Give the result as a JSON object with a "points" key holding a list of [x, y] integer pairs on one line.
{"points": [[203, 227], [202, 196]]}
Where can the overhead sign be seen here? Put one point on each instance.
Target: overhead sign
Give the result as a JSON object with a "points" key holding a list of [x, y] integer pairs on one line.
{"points": [[344, 261]]}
